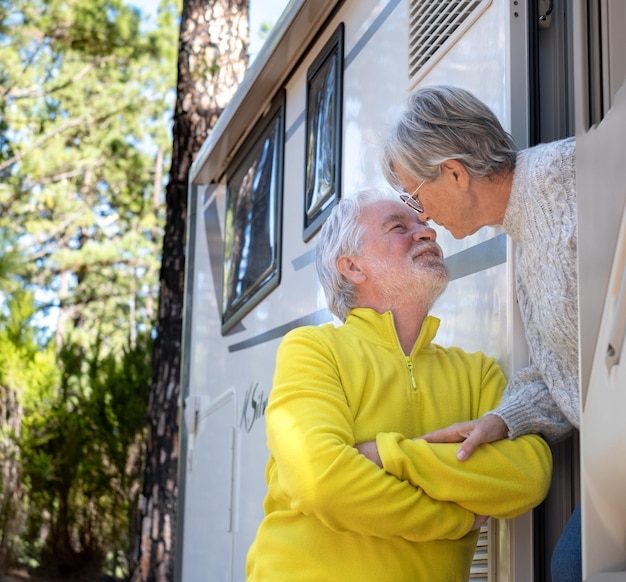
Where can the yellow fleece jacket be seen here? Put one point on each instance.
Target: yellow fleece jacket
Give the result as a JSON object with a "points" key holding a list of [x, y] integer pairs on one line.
{"points": [[333, 515]]}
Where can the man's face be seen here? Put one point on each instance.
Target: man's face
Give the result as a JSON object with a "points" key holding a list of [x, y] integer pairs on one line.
{"points": [[399, 253]]}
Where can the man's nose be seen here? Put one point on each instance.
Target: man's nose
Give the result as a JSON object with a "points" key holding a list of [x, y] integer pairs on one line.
{"points": [[424, 232]]}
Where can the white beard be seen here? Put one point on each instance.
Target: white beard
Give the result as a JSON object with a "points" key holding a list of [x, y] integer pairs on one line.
{"points": [[424, 278]]}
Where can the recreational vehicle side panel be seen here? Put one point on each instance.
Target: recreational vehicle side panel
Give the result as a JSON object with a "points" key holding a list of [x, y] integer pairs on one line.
{"points": [[228, 371]]}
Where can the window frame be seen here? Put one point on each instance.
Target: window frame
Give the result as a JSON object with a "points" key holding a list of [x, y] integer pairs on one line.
{"points": [[234, 309], [316, 212]]}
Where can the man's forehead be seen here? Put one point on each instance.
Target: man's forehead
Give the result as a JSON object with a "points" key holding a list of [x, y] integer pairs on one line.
{"points": [[383, 212]]}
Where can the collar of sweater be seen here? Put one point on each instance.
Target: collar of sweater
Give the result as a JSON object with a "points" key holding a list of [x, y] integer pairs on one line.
{"points": [[380, 327], [520, 204]]}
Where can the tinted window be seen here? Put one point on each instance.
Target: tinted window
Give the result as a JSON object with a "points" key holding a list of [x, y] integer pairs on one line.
{"points": [[252, 228], [323, 134]]}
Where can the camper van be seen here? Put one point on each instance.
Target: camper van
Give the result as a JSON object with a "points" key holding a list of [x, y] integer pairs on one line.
{"points": [[305, 130]]}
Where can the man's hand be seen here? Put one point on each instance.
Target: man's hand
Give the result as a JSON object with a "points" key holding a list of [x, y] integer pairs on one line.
{"points": [[471, 434], [370, 450]]}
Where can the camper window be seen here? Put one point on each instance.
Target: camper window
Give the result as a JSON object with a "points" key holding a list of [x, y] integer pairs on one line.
{"points": [[253, 217], [323, 134]]}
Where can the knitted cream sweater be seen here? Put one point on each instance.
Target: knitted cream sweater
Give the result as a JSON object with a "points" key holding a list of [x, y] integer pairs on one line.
{"points": [[541, 218]]}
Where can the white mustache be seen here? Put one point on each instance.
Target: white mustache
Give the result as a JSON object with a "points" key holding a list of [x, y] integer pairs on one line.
{"points": [[424, 248]]}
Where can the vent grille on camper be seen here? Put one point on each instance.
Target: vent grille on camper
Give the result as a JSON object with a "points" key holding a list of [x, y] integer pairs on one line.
{"points": [[434, 27]]}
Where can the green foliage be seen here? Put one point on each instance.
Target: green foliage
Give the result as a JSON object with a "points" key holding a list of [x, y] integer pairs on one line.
{"points": [[10, 263], [81, 456], [85, 105], [86, 94], [24, 363], [28, 374]]}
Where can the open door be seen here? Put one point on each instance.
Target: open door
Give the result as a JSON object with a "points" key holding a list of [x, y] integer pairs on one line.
{"points": [[601, 159]]}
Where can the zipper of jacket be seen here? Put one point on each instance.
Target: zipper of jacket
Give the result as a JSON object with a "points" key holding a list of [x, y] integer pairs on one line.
{"points": [[409, 365]]}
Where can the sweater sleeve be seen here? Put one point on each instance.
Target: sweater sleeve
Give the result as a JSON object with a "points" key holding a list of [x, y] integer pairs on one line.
{"points": [[318, 470], [541, 217], [503, 479], [528, 407]]}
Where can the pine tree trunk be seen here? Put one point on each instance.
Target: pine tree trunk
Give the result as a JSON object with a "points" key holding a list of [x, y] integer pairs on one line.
{"points": [[11, 518], [211, 62]]}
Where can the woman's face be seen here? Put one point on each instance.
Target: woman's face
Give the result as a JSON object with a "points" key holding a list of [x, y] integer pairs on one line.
{"points": [[447, 200]]}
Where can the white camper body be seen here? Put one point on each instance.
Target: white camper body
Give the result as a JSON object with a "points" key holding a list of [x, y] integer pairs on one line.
{"points": [[250, 276]]}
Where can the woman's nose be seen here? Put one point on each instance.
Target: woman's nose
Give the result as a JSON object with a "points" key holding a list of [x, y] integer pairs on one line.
{"points": [[424, 216]]}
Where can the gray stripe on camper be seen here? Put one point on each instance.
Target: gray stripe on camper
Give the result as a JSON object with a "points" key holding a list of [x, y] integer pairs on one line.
{"points": [[303, 260], [482, 256], [321, 316], [295, 125], [371, 31]]}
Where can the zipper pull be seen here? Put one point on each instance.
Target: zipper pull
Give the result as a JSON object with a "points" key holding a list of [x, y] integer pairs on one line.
{"points": [[409, 365]]}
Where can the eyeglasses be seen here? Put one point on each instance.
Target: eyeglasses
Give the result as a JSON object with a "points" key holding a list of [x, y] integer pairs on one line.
{"points": [[412, 201]]}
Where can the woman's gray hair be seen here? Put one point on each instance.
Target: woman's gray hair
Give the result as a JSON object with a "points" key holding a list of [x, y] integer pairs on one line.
{"points": [[342, 234], [446, 123]]}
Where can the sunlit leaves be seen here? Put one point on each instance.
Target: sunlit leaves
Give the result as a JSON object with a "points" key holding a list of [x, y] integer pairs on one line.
{"points": [[84, 108]]}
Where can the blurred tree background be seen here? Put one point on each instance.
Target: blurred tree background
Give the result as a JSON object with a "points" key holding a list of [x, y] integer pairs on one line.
{"points": [[87, 95]]}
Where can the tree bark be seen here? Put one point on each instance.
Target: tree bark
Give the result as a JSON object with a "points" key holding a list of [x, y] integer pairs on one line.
{"points": [[11, 517], [212, 60]]}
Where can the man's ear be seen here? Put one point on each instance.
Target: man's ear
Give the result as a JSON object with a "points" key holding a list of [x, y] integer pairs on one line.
{"points": [[350, 268], [455, 172]]}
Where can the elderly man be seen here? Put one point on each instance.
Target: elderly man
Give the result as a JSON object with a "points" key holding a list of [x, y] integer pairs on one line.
{"points": [[379, 380]]}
